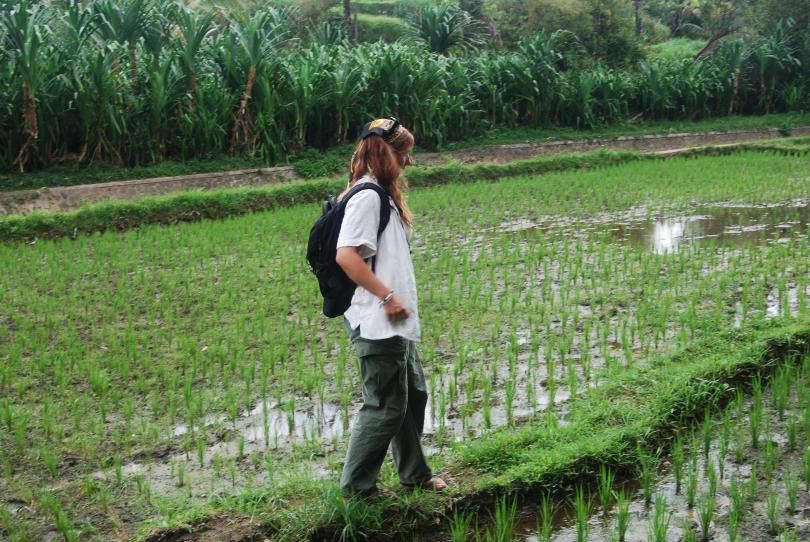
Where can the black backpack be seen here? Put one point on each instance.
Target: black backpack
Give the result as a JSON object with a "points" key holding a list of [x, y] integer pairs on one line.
{"points": [[337, 289]]}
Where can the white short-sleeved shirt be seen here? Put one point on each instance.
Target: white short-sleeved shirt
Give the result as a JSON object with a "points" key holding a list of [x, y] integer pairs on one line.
{"points": [[392, 265]]}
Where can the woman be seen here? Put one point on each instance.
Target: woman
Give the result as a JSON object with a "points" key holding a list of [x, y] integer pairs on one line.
{"points": [[383, 319]]}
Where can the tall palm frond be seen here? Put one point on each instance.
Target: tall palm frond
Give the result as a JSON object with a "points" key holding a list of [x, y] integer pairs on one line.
{"points": [[445, 28], [193, 29]]}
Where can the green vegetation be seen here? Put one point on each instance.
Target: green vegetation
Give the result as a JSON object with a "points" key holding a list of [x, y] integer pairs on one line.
{"points": [[144, 81], [176, 361], [676, 49], [381, 27]]}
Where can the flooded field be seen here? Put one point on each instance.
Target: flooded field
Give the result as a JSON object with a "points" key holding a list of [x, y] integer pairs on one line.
{"points": [[161, 369]]}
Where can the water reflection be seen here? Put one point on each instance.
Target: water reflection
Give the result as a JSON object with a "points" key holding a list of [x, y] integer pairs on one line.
{"points": [[726, 225]]}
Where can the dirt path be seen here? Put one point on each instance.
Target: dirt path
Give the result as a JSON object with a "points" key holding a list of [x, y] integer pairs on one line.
{"points": [[72, 197]]}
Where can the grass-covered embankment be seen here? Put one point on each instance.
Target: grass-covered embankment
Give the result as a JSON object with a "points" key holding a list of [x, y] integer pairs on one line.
{"points": [[634, 413], [192, 206]]}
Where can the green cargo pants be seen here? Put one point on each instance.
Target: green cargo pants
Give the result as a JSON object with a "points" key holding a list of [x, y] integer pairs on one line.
{"points": [[393, 412]]}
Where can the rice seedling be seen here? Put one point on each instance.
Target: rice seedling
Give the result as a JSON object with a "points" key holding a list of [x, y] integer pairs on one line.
{"points": [[755, 414], [711, 475], [722, 451], [773, 509], [792, 432], [692, 481], [770, 459], [582, 511], [545, 519], [605, 492], [706, 510], [647, 464], [751, 493], [737, 496], [678, 462], [806, 464], [659, 524], [792, 491], [733, 527], [707, 432], [689, 534], [622, 515], [460, 525], [503, 520]]}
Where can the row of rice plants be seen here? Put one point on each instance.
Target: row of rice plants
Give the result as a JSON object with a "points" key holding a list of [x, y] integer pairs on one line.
{"points": [[723, 459], [128, 347], [140, 81]]}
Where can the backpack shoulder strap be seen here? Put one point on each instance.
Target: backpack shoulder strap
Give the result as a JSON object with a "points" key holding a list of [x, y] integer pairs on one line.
{"points": [[385, 206]]}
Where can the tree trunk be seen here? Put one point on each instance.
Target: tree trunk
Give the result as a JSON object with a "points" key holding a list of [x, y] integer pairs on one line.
{"points": [[31, 126], [637, 14], [241, 124], [347, 21], [192, 77], [712, 43], [735, 92]]}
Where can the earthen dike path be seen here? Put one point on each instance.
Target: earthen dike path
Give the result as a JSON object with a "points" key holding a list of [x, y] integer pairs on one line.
{"points": [[72, 197]]}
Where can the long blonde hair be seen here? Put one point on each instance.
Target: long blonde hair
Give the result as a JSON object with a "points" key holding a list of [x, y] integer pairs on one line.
{"points": [[384, 161]]}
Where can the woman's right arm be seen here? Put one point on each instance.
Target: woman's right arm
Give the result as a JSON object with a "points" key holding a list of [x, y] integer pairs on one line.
{"points": [[349, 259]]}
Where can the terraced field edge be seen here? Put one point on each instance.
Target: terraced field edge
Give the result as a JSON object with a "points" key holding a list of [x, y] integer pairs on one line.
{"points": [[192, 206], [637, 411]]}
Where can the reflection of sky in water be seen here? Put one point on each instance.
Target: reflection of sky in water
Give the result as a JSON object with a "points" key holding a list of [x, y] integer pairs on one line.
{"points": [[666, 235], [734, 225]]}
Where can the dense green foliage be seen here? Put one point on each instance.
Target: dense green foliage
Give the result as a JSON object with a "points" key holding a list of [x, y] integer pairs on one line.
{"points": [[140, 81]]}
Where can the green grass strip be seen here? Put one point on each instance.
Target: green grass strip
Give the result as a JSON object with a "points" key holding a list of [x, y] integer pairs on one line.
{"points": [[640, 408], [216, 204], [190, 206]]}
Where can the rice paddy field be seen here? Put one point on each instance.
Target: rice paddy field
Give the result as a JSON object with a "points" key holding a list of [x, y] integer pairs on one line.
{"points": [[156, 375]]}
